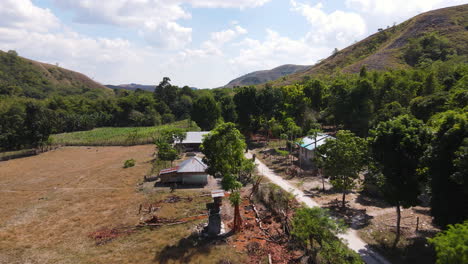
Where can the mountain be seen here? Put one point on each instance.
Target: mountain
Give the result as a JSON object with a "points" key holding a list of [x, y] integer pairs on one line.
{"points": [[385, 49], [22, 76], [260, 77], [132, 87]]}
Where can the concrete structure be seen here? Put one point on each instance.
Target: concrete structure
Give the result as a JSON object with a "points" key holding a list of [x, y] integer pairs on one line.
{"points": [[309, 144], [190, 171], [193, 140]]}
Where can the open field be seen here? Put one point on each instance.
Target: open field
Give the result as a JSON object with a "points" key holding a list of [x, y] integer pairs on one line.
{"points": [[118, 136], [53, 202]]}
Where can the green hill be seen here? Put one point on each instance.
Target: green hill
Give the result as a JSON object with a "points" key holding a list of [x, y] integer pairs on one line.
{"points": [[260, 77], [24, 77], [387, 48]]}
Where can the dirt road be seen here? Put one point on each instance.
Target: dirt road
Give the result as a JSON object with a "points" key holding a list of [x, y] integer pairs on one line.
{"points": [[354, 242]]}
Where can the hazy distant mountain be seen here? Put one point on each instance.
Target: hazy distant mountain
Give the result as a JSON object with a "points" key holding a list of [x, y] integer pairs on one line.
{"points": [[265, 76], [132, 87]]}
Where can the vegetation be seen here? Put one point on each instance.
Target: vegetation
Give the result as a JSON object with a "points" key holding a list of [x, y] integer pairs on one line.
{"points": [[317, 231], [343, 159], [224, 154], [452, 245], [113, 136], [129, 163], [398, 146]]}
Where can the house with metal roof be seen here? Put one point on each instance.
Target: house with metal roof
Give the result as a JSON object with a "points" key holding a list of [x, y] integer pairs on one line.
{"points": [[190, 171], [193, 140], [308, 145]]}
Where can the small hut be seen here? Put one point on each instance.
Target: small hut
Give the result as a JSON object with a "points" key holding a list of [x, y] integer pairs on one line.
{"points": [[190, 171]]}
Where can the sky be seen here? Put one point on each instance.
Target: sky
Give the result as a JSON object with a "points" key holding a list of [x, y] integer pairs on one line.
{"points": [[200, 43]]}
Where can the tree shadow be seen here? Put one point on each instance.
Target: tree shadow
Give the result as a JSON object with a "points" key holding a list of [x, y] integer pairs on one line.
{"points": [[355, 218], [366, 200], [179, 185], [416, 251], [189, 247]]}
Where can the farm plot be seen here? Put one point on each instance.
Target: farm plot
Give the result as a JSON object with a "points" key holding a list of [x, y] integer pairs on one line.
{"points": [[118, 136], [79, 205]]}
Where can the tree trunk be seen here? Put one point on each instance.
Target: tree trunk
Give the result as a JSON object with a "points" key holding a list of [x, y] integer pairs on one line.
{"points": [[343, 204], [237, 219], [323, 180], [397, 238], [313, 251]]}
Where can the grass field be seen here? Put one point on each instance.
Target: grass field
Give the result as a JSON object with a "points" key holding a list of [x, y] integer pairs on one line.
{"points": [[118, 136], [53, 202]]}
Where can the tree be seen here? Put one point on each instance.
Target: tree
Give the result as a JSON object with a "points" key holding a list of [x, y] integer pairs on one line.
{"points": [[166, 152], [37, 124], [343, 160], [206, 112], [397, 146], [246, 107], [224, 149], [317, 231], [447, 162], [451, 246]]}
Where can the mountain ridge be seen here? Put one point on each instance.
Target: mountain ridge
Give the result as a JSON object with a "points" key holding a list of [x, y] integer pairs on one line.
{"points": [[264, 76]]}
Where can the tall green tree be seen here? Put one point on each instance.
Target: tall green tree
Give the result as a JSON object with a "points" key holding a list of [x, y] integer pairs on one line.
{"points": [[447, 162], [342, 160], [206, 112], [397, 146], [224, 149]]}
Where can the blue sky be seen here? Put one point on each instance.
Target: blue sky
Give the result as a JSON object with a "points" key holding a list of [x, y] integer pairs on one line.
{"points": [[202, 43]]}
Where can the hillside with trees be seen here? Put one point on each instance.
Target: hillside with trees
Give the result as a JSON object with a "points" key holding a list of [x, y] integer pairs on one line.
{"points": [[24, 77], [398, 46], [261, 77]]}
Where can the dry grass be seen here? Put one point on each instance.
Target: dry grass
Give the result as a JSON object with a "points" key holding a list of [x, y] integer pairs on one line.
{"points": [[52, 202]]}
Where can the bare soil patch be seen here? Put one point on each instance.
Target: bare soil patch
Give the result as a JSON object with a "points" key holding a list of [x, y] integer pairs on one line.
{"points": [[56, 204]]}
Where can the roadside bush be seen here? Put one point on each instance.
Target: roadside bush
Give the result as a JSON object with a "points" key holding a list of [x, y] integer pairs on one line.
{"points": [[275, 198], [129, 163]]}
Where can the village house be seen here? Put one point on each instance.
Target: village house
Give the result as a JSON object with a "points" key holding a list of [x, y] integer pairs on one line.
{"points": [[193, 140], [308, 145], [190, 171]]}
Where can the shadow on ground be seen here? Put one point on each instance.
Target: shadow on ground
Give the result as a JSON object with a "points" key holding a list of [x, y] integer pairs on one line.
{"points": [[355, 218], [187, 248]]}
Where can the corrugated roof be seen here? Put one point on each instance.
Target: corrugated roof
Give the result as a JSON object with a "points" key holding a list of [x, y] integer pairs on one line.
{"points": [[194, 164], [194, 137], [169, 170], [309, 143]]}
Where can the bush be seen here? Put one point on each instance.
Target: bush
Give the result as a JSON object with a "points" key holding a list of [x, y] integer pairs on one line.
{"points": [[129, 163], [452, 245]]}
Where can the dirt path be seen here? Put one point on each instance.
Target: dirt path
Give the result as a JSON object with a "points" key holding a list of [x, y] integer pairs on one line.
{"points": [[351, 236]]}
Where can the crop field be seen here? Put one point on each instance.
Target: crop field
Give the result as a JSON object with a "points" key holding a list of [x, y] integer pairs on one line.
{"points": [[118, 136], [79, 205]]}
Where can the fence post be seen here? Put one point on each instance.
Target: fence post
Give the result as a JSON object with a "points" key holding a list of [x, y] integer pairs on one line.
{"points": [[417, 224]]}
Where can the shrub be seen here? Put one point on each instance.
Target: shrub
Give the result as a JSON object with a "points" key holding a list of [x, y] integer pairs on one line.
{"points": [[452, 245], [129, 163]]}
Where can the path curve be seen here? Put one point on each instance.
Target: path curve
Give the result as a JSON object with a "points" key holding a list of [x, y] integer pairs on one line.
{"points": [[355, 243]]}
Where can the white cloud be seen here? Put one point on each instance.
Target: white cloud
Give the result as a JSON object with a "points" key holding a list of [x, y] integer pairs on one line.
{"points": [[213, 46], [381, 13], [226, 3], [156, 20], [23, 14], [274, 51], [399, 7], [338, 28]]}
